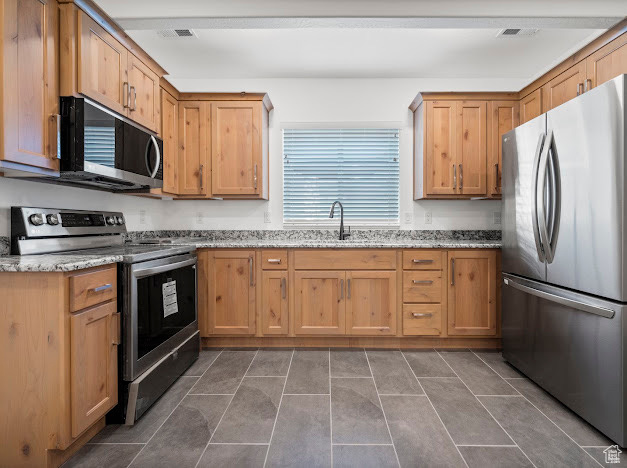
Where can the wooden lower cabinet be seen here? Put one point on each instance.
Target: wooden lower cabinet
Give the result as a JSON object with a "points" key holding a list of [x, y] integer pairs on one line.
{"points": [[319, 303], [422, 319], [274, 303], [472, 292], [371, 302]]}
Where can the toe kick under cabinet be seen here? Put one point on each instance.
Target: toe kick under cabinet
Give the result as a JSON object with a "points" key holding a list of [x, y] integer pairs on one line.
{"points": [[318, 293]]}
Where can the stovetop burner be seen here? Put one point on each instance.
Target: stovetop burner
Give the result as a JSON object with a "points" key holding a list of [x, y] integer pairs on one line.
{"points": [[132, 253]]}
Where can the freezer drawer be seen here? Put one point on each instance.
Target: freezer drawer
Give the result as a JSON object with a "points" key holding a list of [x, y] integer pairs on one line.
{"points": [[570, 344]]}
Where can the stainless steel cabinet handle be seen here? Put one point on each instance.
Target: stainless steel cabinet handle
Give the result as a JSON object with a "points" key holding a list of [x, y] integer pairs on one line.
{"points": [[579, 88], [417, 260], [422, 281], [134, 91], [341, 289], [452, 272], [255, 177], [283, 288], [454, 176], [55, 129], [496, 178], [349, 289], [126, 95], [104, 287], [421, 315], [200, 175], [461, 177], [274, 260], [588, 86], [250, 271]]}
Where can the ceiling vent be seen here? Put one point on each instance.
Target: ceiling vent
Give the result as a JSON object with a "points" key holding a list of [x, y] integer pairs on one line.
{"points": [[176, 33], [515, 32]]}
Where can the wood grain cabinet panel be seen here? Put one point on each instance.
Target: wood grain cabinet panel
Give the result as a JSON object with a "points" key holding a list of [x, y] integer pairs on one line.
{"points": [[371, 302], [441, 148], [422, 319], [275, 259], [231, 292], [472, 292], [274, 305], [169, 135], [503, 116], [606, 63], [428, 259], [194, 170], [29, 92], [471, 135], [319, 303], [531, 106], [564, 87], [422, 286], [349, 259], [92, 287], [94, 364], [102, 65], [144, 100]]}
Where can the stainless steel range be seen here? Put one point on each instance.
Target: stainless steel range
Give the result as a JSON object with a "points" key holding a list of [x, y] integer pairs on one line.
{"points": [[157, 295]]}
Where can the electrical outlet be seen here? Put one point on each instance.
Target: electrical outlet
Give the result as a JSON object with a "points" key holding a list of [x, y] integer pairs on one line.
{"points": [[408, 217], [142, 216], [267, 217], [497, 217], [199, 218], [428, 218]]}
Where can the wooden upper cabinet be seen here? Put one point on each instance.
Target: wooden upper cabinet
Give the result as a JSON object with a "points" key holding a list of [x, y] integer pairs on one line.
{"points": [[371, 302], [29, 91], [503, 116], [606, 63], [472, 292], [236, 147], [471, 134], [564, 87], [194, 171], [169, 134], [319, 303], [144, 99], [94, 364], [274, 304], [231, 292], [531, 106], [102, 65], [440, 148]]}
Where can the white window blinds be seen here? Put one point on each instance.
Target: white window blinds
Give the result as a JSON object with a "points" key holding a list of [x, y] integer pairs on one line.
{"points": [[358, 167]]}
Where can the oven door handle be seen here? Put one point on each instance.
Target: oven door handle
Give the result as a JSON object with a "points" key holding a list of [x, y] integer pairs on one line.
{"points": [[163, 268]]}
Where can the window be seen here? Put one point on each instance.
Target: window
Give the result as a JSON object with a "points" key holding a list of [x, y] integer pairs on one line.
{"points": [[358, 167]]}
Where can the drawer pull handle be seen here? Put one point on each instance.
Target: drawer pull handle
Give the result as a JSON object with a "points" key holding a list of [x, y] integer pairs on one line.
{"points": [[342, 289], [417, 260], [104, 287], [250, 271], [283, 288], [422, 281], [274, 260], [420, 315]]}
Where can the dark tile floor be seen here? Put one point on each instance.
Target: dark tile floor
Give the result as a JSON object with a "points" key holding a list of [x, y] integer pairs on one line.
{"points": [[350, 408]]}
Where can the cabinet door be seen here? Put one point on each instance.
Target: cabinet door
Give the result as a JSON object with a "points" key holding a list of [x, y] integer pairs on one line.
{"points": [[471, 157], [319, 303], [30, 84], [606, 63], [231, 292], [102, 67], [472, 292], [274, 304], [169, 134], [371, 302], [93, 364], [194, 170], [564, 87], [236, 147], [144, 101], [503, 117], [440, 148], [531, 106]]}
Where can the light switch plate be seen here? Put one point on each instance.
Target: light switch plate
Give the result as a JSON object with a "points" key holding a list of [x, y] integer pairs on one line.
{"points": [[142, 216], [408, 217], [428, 217], [267, 217], [199, 218], [497, 217]]}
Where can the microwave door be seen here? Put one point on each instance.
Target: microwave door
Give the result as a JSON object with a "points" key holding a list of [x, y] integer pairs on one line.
{"points": [[143, 155]]}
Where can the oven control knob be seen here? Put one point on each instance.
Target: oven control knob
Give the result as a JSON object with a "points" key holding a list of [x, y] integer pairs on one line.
{"points": [[36, 219], [119, 220], [110, 220], [52, 219]]}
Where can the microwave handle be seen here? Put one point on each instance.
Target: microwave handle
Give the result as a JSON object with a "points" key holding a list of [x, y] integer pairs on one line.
{"points": [[153, 172]]}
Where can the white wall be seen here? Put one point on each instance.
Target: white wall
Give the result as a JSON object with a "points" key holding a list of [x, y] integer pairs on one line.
{"points": [[348, 101]]}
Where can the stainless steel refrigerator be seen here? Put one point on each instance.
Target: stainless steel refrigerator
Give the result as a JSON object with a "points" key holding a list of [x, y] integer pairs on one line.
{"points": [[564, 296]]}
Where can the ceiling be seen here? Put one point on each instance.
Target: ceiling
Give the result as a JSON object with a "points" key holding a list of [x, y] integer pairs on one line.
{"points": [[363, 38]]}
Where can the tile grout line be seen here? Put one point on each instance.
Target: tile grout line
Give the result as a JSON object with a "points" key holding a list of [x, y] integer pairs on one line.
{"points": [[364, 445], [265, 460], [432, 406], [226, 409], [382, 410], [178, 404], [541, 412], [484, 407], [237, 443]]}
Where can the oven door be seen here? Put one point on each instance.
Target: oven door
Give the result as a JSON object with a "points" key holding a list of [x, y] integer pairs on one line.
{"points": [[159, 312]]}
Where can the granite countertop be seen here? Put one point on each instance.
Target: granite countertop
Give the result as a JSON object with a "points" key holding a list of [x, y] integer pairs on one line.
{"points": [[49, 263]]}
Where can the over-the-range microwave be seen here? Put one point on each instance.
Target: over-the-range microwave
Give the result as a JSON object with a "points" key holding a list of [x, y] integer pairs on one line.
{"points": [[103, 150]]}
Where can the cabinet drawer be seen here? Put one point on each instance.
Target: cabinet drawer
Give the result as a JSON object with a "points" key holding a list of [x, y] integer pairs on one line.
{"points": [[422, 286], [422, 260], [93, 287], [274, 259], [422, 319], [367, 259]]}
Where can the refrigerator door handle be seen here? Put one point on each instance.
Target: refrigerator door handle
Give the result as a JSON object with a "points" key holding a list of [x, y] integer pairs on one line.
{"points": [[540, 197], [591, 309], [556, 197], [534, 195]]}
